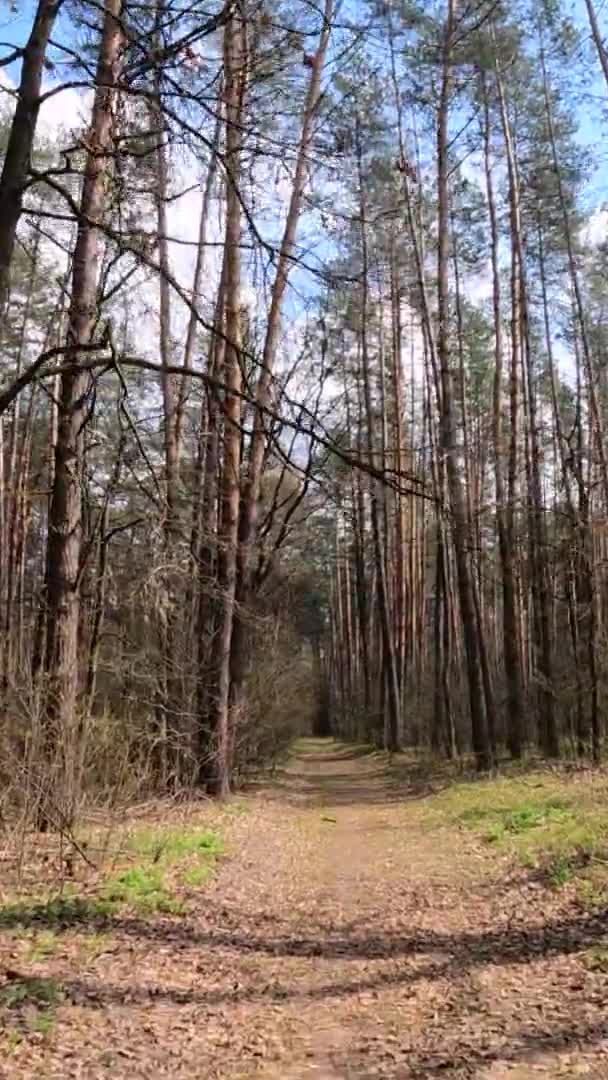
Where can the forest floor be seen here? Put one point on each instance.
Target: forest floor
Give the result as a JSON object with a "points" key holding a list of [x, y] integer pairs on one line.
{"points": [[354, 921]]}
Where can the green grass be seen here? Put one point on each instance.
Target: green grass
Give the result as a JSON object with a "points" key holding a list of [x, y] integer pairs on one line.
{"points": [[43, 1023], [560, 870], [159, 862], [29, 990], [43, 944], [169, 846], [168, 858], [58, 912], [142, 889], [33, 1001], [596, 959], [195, 876], [544, 820]]}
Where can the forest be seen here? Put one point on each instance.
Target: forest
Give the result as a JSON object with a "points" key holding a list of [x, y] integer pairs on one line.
{"points": [[303, 396], [303, 539]]}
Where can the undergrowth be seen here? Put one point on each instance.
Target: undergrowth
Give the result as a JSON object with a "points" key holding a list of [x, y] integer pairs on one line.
{"points": [[151, 873], [553, 824], [29, 1005]]}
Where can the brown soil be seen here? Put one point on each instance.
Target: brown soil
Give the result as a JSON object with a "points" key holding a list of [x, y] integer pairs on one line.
{"points": [[340, 940]]}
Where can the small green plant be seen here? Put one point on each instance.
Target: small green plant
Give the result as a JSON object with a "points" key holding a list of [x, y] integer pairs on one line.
{"points": [[592, 894], [34, 1001], [58, 912], [44, 944], [532, 816], [28, 990], [168, 846], [560, 871], [596, 959], [196, 875], [43, 1023], [495, 834], [142, 888]]}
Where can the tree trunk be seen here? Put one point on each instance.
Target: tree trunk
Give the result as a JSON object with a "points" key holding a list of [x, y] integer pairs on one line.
{"points": [[504, 519], [234, 52], [65, 515], [537, 524], [597, 38], [207, 552], [193, 323], [168, 736], [389, 659], [448, 435], [17, 160]]}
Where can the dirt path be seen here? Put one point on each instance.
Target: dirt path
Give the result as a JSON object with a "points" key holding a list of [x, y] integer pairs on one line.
{"points": [[342, 940]]}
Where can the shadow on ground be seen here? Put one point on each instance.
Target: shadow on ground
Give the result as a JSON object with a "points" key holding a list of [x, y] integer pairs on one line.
{"points": [[243, 956], [433, 955]]}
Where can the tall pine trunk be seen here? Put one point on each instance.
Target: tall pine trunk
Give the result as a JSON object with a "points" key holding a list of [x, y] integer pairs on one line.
{"points": [[504, 518], [447, 426], [65, 514], [234, 74]]}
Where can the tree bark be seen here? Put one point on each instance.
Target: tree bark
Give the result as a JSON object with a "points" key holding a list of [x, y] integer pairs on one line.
{"points": [[65, 516], [597, 38], [504, 519], [389, 659], [17, 160], [449, 448], [537, 524], [234, 74]]}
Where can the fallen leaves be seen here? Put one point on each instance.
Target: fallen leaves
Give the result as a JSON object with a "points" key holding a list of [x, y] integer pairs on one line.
{"points": [[369, 949]]}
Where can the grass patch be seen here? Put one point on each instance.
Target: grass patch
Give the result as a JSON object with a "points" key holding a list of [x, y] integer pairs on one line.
{"points": [[596, 959], [547, 821], [43, 1023], [33, 1001], [143, 890], [43, 945], [28, 990], [59, 912], [169, 846], [169, 858], [197, 875], [151, 873], [152, 866]]}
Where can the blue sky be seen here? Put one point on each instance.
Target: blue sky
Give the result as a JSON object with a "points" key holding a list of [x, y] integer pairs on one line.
{"points": [[592, 114]]}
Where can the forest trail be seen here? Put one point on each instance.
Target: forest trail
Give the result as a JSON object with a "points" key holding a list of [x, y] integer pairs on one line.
{"points": [[341, 939]]}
